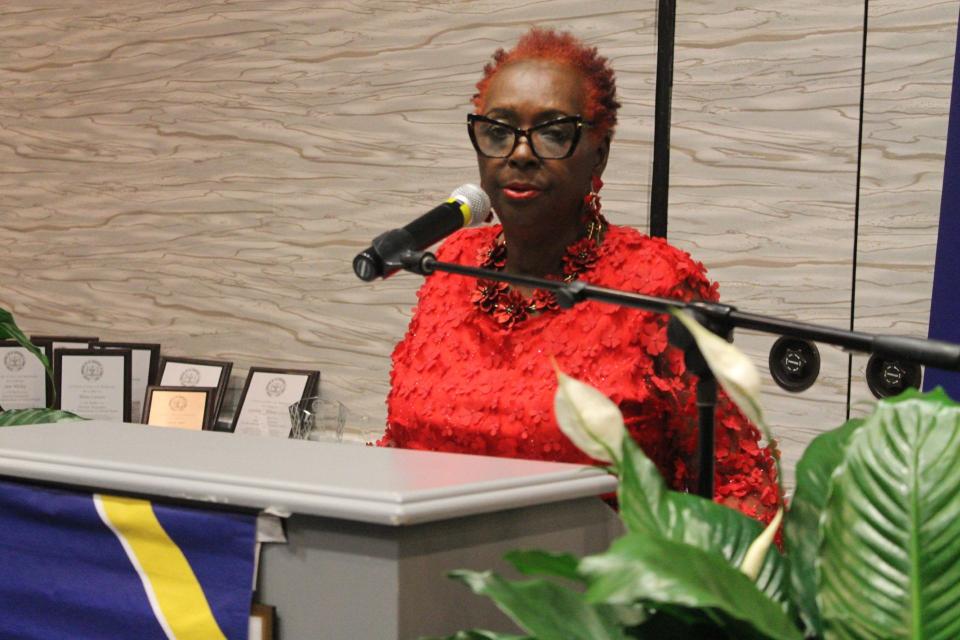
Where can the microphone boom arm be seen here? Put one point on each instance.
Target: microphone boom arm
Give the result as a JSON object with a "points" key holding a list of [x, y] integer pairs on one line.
{"points": [[932, 353]]}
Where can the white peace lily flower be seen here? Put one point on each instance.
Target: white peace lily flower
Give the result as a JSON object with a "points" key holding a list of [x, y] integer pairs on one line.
{"points": [[730, 366], [590, 419], [753, 560]]}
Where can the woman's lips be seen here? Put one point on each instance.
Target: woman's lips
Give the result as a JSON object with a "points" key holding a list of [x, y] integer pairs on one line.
{"points": [[521, 191]]}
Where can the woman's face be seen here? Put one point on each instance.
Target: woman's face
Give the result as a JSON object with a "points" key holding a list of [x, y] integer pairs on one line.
{"points": [[526, 190]]}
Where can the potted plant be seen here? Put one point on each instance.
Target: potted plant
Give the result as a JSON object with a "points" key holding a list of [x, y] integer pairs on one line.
{"points": [[872, 536]]}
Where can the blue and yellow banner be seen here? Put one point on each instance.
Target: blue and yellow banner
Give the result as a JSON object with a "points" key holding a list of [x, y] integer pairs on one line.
{"points": [[945, 303], [92, 566]]}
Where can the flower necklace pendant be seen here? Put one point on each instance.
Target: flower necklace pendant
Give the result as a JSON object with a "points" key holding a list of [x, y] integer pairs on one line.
{"points": [[508, 306]]}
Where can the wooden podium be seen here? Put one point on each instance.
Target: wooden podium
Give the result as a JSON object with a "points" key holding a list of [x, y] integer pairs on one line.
{"points": [[371, 532]]}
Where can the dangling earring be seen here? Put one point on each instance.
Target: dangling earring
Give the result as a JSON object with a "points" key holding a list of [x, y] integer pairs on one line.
{"points": [[592, 217]]}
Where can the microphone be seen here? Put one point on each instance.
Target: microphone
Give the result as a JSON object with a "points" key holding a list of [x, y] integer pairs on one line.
{"points": [[467, 206]]}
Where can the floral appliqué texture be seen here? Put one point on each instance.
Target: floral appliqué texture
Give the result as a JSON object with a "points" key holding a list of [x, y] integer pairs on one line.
{"points": [[467, 380]]}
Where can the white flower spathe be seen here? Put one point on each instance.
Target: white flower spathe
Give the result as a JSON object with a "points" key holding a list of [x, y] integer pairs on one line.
{"points": [[590, 419], [730, 366], [757, 551]]}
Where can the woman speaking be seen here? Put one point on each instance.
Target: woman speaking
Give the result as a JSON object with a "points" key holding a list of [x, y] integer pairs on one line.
{"points": [[473, 373]]}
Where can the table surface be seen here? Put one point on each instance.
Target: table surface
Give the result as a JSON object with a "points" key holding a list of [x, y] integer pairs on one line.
{"points": [[347, 481]]}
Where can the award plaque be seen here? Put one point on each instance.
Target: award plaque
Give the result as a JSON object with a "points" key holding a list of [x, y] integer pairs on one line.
{"points": [[263, 409], [190, 372], [179, 407], [144, 364], [23, 378], [94, 383]]}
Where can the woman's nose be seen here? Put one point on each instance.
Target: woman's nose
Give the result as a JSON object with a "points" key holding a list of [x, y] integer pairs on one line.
{"points": [[523, 153]]}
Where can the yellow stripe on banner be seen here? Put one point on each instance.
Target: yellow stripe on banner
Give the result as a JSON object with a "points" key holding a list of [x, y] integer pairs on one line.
{"points": [[163, 569]]}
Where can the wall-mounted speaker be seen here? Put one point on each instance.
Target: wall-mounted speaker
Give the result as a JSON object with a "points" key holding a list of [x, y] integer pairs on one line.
{"points": [[794, 363], [887, 377]]}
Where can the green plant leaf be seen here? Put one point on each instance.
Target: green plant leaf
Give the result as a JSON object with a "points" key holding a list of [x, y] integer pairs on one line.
{"points": [[641, 492], [935, 395], [681, 623], [656, 571], [890, 555], [479, 634], [802, 526], [531, 563], [10, 331], [647, 506], [546, 610], [16, 417]]}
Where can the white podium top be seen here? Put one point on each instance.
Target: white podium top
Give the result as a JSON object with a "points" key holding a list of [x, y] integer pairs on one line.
{"points": [[367, 484]]}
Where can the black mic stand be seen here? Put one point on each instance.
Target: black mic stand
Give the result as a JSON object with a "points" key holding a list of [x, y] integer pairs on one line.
{"points": [[719, 318]]}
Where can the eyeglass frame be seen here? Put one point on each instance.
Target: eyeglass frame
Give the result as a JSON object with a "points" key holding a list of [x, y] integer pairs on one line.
{"points": [[525, 133]]}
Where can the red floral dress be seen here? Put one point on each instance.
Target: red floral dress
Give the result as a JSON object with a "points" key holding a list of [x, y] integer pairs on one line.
{"points": [[466, 381]]}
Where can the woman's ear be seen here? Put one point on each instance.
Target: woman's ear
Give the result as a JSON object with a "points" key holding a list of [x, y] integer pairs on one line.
{"points": [[603, 152]]}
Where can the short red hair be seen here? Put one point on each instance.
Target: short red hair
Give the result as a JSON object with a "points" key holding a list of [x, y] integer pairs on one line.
{"points": [[564, 48]]}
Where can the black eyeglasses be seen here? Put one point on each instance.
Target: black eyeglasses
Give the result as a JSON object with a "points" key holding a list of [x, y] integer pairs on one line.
{"points": [[553, 140]]}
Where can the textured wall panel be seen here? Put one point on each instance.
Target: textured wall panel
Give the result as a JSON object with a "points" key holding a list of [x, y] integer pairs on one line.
{"points": [[202, 174], [909, 73], [764, 176]]}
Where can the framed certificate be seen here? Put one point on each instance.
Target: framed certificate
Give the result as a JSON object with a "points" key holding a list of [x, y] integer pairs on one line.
{"points": [[94, 383], [267, 394], [62, 342], [23, 379], [190, 372], [145, 362], [179, 407]]}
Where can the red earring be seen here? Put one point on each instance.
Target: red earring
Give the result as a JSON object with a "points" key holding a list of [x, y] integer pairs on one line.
{"points": [[592, 201]]}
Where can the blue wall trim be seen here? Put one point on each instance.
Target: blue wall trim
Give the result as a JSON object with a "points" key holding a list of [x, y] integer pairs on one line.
{"points": [[945, 304]]}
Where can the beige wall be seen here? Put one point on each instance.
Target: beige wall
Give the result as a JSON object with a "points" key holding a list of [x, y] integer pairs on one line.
{"points": [[201, 174]]}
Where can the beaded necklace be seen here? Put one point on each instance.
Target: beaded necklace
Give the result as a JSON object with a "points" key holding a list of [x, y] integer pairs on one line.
{"points": [[508, 306]]}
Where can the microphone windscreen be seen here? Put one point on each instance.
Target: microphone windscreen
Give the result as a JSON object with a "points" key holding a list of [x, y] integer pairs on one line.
{"points": [[475, 198]]}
